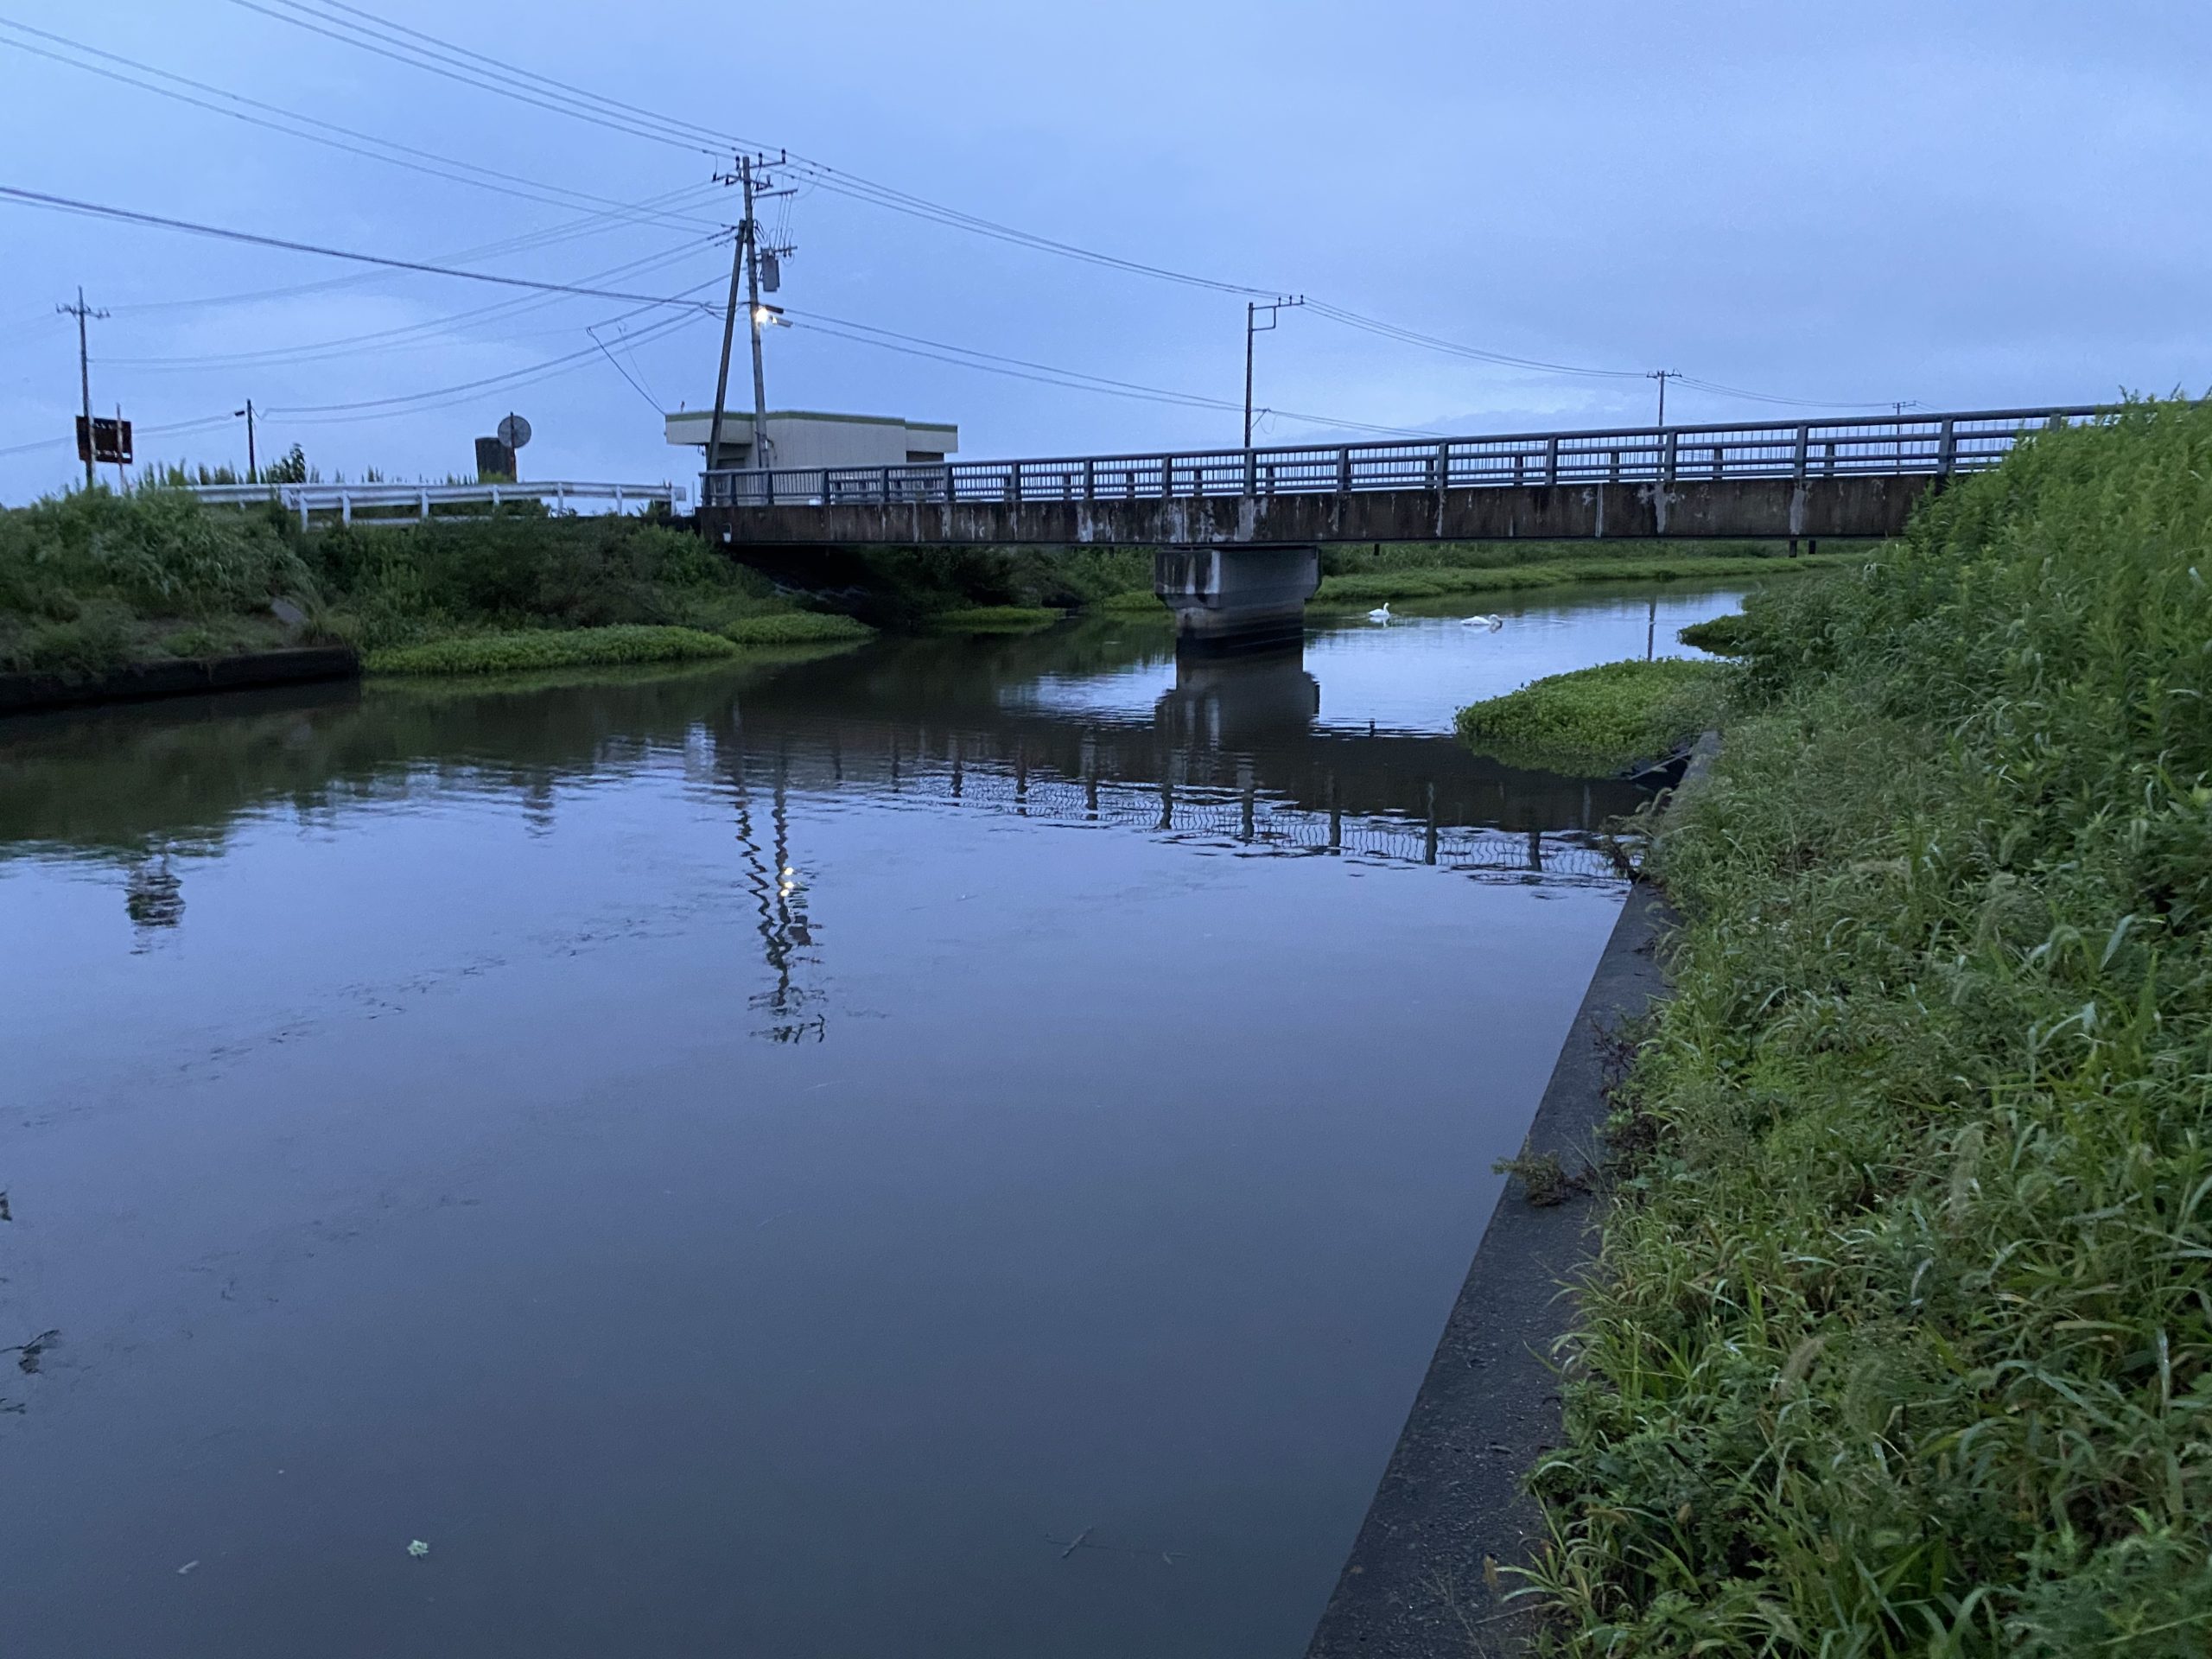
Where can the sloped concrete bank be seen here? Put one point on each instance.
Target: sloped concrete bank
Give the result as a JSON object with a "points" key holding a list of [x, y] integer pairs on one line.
{"points": [[1427, 1574], [25, 693]]}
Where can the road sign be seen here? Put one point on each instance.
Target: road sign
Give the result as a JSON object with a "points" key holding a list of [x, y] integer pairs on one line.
{"points": [[514, 432], [108, 440]]}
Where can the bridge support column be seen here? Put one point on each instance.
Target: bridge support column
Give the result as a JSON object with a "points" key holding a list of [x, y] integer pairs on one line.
{"points": [[1237, 595]]}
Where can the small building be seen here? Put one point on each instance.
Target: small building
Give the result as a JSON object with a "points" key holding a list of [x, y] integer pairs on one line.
{"points": [[808, 438]]}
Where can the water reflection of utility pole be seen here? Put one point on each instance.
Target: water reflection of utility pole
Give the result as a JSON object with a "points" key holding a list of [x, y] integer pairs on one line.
{"points": [[1428, 842], [781, 907], [1336, 818], [1651, 627], [1248, 794]]}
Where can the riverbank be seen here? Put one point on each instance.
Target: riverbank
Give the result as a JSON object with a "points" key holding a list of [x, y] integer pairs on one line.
{"points": [[1899, 1334], [97, 588]]}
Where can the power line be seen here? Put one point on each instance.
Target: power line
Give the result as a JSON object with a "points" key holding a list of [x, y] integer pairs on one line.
{"points": [[95, 210], [566, 231], [391, 339], [485, 73], [444, 167], [1049, 374]]}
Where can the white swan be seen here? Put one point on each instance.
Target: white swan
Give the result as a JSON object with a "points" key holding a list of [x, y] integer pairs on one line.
{"points": [[1492, 621], [1383, 614]]}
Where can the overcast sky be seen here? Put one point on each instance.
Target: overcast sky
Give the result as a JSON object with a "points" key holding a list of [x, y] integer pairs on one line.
{"points": [[1966, 206]]}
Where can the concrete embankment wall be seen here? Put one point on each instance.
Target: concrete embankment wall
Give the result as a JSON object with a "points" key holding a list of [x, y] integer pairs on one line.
{"points": [[1427, 1573], [25, 693]]}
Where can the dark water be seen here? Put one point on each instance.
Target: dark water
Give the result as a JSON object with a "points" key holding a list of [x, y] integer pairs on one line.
{"points": [[762, 1161]]}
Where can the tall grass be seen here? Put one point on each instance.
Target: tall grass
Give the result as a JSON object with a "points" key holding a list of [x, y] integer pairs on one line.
{"points": [[1901, 1338]]}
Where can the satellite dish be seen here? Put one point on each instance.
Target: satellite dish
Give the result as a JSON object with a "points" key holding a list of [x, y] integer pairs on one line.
{"points": [[514, 432]]}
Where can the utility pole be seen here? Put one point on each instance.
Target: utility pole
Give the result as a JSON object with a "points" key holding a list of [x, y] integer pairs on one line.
{"points": [[721, 379], [1662, 376], [745, 266], [81, 311], [752, 306], [252, 471], [1252, 309]]}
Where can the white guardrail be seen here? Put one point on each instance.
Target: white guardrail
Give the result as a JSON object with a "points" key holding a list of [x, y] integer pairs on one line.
{"points": [[386, 504]]}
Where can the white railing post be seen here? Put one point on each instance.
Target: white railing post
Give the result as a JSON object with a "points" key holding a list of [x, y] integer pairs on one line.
{"points": [[1551, 461], [618, 500], [1667, 457], [1804, 442], [422, 503], [886, 486], [1444, 465], [345, 506], [1344, 469], [301, 496]]}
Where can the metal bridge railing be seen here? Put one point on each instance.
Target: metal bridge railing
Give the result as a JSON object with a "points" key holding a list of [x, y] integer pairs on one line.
{"points": [[1919, 445], [412, 503]]}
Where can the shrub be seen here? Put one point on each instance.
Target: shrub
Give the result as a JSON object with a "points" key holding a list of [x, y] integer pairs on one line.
{"points": [[1724, 636], [1597, 721]]}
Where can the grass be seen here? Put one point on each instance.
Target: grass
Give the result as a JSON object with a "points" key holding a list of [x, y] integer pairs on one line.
{"points": [[1447, 582], [1900, 1339], [1600, 721], [540, 648], [995, 619], [795, 629], [1724, 636], [1141, 602]]}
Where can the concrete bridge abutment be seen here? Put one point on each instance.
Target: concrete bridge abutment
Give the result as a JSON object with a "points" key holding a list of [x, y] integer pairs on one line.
{"points": [[1237, 596]]}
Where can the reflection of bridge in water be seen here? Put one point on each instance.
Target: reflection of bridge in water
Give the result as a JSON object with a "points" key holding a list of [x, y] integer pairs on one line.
{"points": [[1232, 757]]}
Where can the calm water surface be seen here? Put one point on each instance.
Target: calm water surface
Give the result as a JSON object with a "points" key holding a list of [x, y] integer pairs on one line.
{"points": [[951, 1150]]}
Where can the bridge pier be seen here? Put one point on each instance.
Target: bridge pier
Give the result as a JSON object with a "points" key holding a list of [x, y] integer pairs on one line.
{"points": [[1238, 595]]}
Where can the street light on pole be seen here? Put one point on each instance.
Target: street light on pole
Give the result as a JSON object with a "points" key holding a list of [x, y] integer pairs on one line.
{"points": [[1253, 326]]}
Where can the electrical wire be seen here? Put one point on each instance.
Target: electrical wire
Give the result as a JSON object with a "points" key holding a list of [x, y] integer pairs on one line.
{"points": [[444, 167], [199, 424], [569, 231], [429, 331], [1049, 374], [95, 210]]}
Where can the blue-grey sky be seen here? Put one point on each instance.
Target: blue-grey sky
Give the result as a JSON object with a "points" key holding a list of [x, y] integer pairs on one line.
{"points": [[1966, 206]]}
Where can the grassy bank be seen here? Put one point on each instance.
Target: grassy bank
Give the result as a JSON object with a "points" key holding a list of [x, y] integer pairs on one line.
{"points": [[1598, 722], [996, 619], [540, 648], [1900, 1337], [94, 581]]}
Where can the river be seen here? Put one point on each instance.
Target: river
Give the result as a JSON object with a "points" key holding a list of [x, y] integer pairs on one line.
{"points": [[959, 1147]]}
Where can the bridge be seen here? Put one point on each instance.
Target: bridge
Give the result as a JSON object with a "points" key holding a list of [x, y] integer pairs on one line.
{"points": [[1237, 532]]}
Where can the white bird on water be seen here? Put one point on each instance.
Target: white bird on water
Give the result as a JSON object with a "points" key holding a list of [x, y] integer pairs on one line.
{"points": [[1383, 614], [1492, 621]]}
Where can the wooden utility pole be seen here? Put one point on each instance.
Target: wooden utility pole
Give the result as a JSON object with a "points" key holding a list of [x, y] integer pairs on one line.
{"points": [[252, 471], [1662, 376], [81, 312]]}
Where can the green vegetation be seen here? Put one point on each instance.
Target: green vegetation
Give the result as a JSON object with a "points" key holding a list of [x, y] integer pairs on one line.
{"points": [[994, 619], [1139, 602], [92, 580], [1901, 1338], [795, 629], [537, 648], [1724, 636], [1597, 721]]}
